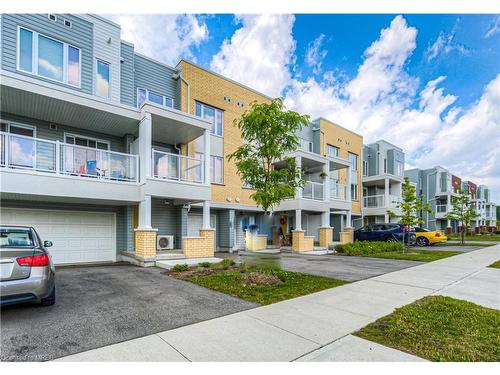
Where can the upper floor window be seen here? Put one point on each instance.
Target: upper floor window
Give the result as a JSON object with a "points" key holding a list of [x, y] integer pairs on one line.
{"points": [[48, 58], [211, 114], [385, 165], [102, 82], [216, 169], [399, 169], [365, 168], [353, 158], [354, 192], [306, 145], [332, 151], [144, 95]]}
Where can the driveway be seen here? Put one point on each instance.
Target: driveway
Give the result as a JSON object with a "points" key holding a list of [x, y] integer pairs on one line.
{"points": [[102, 305], [337, 267]]}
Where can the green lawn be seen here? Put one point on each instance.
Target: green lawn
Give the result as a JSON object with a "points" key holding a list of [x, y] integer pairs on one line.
{"points": [[440, 329], [495, 265], [293, 284], [476, 237], [482, 244], [412, 254]]}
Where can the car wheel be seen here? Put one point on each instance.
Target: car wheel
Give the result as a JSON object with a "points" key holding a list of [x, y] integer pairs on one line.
{"points": [[422, 241], [51, 299], [391, 239]]}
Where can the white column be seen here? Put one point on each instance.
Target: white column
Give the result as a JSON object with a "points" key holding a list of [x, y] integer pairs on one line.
{"points": [[325, 219], [298, 162], [298, 219], [348, 215], [326, 182], [206, 215], [145, 141], [145, 213], [448, 209], [206, 140], [387, 202]]}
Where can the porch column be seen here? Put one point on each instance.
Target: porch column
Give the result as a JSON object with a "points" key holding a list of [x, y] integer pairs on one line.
{"points": [[298, 219], [448, 209], [145, 236], [145, 213], [349, 198], [206, 141], [206, 215], [387, 202], [326, 182], [145, 141], [298, 162], [325, 219]]}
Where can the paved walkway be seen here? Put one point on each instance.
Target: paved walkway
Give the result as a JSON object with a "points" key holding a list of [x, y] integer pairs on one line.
{"points": [[314, 327]]}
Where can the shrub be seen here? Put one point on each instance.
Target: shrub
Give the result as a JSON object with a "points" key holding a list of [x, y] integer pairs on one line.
{"points": [[368, 247], [204, 264], [180, 267]]}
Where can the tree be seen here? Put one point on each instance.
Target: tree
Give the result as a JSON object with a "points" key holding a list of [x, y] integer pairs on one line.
{"points": [[411, 206], [463, 211], [269, 133]]}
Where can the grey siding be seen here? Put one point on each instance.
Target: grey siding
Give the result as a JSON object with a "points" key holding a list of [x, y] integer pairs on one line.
{"points": [[80, 34], [225, 228], [121, 228], [127, 91], [44, 131], [154, 77], [166, 218]]}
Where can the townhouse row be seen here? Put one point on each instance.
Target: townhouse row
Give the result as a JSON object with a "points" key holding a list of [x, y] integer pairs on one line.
{"points": [[115, 156]]}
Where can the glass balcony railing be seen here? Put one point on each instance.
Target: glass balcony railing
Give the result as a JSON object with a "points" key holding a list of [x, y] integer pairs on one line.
{"points": [[177, 167], [338, 191], [313, 190]]}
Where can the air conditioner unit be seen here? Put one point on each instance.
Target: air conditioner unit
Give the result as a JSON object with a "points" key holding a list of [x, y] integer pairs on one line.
{"points": [[164, 242]]}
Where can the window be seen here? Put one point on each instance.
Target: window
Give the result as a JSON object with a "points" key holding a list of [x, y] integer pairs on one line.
{"points": [[365, 168], [52, 17], [48, 58], [22, 149], [354, 192], [332, 151], [102, 84], [211, 114], [385, 165], [152, 97], [353, 158], [16, 237], [399, 169], [86, 141], [18, 129], [306, 145], [216, 170]]}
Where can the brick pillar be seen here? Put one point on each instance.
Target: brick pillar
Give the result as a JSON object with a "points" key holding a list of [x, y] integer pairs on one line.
{"points": [[347, 235], [325, 236], [145, 243], [301, 242], [199, 247]]}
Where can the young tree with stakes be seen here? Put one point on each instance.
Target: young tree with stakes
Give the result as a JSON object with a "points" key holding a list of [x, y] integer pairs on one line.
{"points": [[269, 133], [411, 206], [463, 211]]}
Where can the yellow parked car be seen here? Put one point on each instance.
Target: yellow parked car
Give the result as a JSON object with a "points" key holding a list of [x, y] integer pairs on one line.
{"points": [[427, 237]]}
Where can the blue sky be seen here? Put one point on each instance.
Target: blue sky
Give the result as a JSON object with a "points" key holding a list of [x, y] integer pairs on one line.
{"points": [[428, 83]]}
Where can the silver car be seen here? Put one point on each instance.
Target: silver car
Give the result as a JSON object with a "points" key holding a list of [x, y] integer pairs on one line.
{"points": [[27, 273]]}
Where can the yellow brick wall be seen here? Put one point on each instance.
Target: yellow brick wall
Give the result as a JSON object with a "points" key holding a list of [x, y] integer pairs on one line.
{"points": [[199, 247], [301, 242], [347, 235], [346, 141], [325, 236], [209, 88], [255, 242], [145, 243]]}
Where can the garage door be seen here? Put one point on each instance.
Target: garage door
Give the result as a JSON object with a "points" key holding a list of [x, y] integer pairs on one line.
{"points": [[77, 237], [195, 222]]}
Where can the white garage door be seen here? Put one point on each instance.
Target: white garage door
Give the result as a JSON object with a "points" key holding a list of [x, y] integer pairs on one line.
{"points": [[77, 237], [195, 222]]}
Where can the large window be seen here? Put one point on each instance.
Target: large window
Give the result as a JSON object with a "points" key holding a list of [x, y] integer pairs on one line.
{"points": [[353, 158], [332, 151], [212, 114], [47, 57], [354, 192], [365, 168], [216, 169], [144, 95], [399, 168], [102, 84]]}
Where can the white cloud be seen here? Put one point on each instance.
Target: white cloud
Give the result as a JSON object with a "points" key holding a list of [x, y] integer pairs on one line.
{"points": [[314, 54], [166, 38], [494, 28], [446, 44], [259, 53]]}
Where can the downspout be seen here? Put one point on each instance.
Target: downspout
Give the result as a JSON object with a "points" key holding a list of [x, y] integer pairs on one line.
{"points": [[188, 91]]}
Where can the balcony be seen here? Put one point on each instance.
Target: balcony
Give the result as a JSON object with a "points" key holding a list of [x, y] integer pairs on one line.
{"points": [[338, 191], [313, 190], [378, 201], [177, 167], [441, 210], [40, 155]]}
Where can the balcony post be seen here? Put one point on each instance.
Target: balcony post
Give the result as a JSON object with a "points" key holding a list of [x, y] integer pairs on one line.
{"points": [[58, 157], [386, 202], [206, 215], [145, 213], [298, 219], [298, 162], [326, 181], [206, 139], [448, 209], [145, 141]]}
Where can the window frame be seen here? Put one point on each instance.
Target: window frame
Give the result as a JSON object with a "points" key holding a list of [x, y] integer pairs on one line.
{"points": [[147, 91], [34, 57], [212, 169], [354, 197], [203, 105], [365, 168], [329, 146], [354, 166], [75, 135], [97, 61], [19, 125]]}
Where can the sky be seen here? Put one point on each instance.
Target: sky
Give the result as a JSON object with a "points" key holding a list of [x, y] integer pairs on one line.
{"points": [[427, 83]]}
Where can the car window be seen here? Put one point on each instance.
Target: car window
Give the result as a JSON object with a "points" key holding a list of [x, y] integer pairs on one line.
{"points": [[16, 237], [378, 227], [367, 228]]}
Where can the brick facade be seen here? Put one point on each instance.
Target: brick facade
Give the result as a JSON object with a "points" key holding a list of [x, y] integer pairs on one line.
{"points": [[325, 236], [199, 247], [145, 243], [301, 242]]}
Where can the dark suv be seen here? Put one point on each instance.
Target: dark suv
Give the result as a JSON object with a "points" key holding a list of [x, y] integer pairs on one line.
{"points": [[389, 232]]}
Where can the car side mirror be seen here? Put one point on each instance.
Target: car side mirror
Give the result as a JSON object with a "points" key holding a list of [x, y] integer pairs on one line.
{"points": [[47, 243]]}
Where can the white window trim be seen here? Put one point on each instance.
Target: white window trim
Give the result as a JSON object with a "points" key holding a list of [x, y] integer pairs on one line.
{"points": [[34, 57], [97, 61], [332, 147], [19, 125], [354, 166], [52, 14], [75, 135], [203, 105], [212, 165], [147, 98]]}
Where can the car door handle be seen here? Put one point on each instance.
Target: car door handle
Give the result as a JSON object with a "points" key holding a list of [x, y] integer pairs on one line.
{"points": [[6, 261]]}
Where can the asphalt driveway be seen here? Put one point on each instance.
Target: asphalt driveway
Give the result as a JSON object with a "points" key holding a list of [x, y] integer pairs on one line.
{"points": [[337, 267], [103, 305]]}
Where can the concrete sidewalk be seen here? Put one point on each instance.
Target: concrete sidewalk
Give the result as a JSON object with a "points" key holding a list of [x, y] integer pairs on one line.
{"points": [[314, 327]]}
